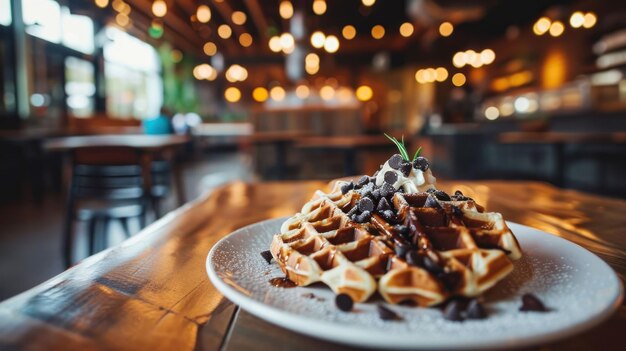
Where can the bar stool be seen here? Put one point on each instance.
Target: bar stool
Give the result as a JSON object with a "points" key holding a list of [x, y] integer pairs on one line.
{"points": [[105, 184]]}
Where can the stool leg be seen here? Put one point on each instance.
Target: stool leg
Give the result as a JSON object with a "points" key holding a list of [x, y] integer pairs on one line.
{"points": [[92, 231], [124, 222]]}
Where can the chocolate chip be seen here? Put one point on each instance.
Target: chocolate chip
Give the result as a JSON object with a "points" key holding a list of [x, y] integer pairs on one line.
{"points": [[531, 302], [373, 179], [347, 187], [353, 211], [383, 205], [413, 258], [401, 249], [441, 195], [267, 255], [391, 177], [388, 215], [457, 212], [365, 216], [431, 265], [387, 190], [363, 180], [452, 312], [386, 314], [475, 310], [366, 204], [405, 168], [431, 190], [421, 163], [458, 193], [376, 194], [402, 229], [344, 302], [395, 161], [431, 202]]}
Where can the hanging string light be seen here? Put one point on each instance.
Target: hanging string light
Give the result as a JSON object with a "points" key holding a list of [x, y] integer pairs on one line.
{"points": [[159, 8], [203, 14]]}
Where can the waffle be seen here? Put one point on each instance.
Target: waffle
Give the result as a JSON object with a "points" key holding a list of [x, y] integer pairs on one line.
{"points": [[457, 249]]}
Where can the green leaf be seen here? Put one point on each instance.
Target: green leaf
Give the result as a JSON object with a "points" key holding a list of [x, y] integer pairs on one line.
{"points": [[417, 153], [401, 147]]}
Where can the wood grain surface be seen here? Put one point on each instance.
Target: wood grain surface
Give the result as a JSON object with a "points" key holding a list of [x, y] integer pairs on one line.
{"points": [[152, 291]]}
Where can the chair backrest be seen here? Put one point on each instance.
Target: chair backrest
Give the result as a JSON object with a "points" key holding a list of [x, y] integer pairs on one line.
{"points": [[107, 173]]}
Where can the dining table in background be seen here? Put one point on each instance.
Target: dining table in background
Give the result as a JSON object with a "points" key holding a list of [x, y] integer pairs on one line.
{"points": [[150, 147], [152, 291]]}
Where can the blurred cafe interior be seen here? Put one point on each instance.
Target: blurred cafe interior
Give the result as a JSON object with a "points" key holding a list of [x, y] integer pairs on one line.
{"points": [[286, 90]]}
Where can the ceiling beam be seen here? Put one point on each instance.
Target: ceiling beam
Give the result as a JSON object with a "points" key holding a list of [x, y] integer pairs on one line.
{"points": [[258, 18]]}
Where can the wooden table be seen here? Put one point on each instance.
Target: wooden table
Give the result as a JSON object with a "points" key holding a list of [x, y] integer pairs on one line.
{"points": [[558, 141], [149, 146], [152, 292]]}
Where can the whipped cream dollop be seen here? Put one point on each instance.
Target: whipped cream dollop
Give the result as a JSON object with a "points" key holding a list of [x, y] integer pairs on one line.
{"points": [[416, 181]]}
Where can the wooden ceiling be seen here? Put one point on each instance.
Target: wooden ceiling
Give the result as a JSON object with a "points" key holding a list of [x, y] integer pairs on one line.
{"points": [[472, 19]]}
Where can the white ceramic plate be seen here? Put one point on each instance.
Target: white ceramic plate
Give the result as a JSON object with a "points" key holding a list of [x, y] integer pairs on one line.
{"points": [[579, 288]]}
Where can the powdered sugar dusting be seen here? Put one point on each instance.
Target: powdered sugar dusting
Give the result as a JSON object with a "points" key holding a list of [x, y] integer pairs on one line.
{"points": [[574, 284]]}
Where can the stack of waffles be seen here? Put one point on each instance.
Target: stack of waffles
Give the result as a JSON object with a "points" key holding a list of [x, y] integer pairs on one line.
{"points": [[422, 247]]}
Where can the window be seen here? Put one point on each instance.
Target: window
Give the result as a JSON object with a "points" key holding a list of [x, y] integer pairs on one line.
{"points": [[5, 12], [79, 87], [42, 19], [132, 71], [47, 20]]}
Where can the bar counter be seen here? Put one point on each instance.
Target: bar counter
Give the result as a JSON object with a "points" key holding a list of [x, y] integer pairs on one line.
{"points": [[152, 291]]}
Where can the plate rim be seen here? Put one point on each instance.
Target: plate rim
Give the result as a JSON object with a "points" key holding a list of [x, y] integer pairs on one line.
{"points": [[338, 333]]}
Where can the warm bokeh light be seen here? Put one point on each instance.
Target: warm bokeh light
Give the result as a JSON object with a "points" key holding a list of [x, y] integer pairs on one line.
{"points": [[446, 29], [286, 9], [319, 7], [590, 20], [327, 92], [441, 74], [204, 71], [232, 94], [287, 42], [159, 8], [556, 28], [245, 39], [459, 59], [277, 93], [542, 26], [312, 69], [317, 39], [368, 2], [122, 19], [102, 3], [406, 29], [554, 70], [312, 59], [302, 91], [203, 14], [348, 32], [577, 19], [236, 73], [210, 48], [364, 93], [458, 79], [239, 17], [260, 94], [487, 56], [378, 31], [331, 44], [274, 44], [176, 56], [492, 113], [224, 31]]}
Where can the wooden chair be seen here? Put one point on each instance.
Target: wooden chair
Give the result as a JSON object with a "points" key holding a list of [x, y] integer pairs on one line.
{"points": [[105, 184]]}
